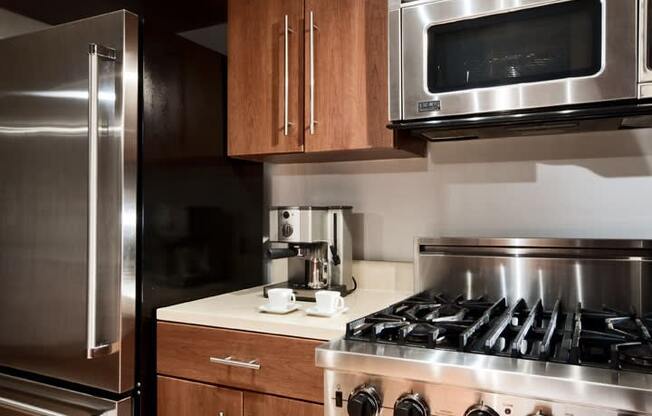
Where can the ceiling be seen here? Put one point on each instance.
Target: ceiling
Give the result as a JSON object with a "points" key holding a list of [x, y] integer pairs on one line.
{"points": [[173, 15]]}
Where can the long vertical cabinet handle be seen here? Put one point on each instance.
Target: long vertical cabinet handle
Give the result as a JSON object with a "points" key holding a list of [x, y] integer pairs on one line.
{"points": [[286, 77], [93, 349], [312, 72]]}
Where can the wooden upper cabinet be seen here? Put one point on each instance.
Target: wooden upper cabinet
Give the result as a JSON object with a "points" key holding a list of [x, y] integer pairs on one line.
{"points": [[337, 82], [346, 57], [258, 74]]}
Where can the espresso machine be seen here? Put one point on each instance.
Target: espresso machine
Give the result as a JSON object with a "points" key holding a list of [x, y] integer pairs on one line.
{"points": [[316, 241]]}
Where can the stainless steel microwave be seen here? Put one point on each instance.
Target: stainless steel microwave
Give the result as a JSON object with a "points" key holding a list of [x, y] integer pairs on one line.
{"points": [[467, 57]]}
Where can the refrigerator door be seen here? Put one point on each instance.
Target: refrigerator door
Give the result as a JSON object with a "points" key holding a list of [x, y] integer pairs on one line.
{"points": [[24, 398], [68, 160]]}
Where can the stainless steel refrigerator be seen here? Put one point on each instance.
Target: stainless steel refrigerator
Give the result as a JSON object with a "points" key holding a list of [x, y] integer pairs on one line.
{"points": [[109, 207]]}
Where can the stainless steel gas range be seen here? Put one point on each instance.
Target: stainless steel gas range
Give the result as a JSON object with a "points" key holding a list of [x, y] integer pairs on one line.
{"points": [[504, 327]]}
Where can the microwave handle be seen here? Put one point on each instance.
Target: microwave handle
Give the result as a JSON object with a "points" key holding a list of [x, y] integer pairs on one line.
{"points": [[644, 41]]}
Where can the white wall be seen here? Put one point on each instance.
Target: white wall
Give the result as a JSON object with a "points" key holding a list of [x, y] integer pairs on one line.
{"points": [[586, 185], [12, 24]]}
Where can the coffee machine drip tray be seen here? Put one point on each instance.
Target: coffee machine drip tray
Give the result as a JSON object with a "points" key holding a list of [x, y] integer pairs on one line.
{"points": [[304, 293]]}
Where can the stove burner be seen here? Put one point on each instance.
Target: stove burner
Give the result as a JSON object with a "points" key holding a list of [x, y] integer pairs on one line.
{"points": [[628, 326], [387, 331], [606, 338], [424, 334], [435, 313], [636, 354]]}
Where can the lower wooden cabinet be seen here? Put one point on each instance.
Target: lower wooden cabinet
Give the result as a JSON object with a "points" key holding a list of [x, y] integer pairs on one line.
{"points": [[196, 379], [263, 404], [186, 398]]}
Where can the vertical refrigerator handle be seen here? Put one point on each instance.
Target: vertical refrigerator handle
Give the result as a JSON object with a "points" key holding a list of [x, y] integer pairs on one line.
{"points": [[93, 348]]}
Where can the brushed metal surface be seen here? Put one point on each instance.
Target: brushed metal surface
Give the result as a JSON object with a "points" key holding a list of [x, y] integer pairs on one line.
{"points": [[395, 62], [44, 174], [506, 243], [616, 273], [29, 398], [593, 272], [107, 347], [314, 230], [454, 381], [645, 72], [615, 81]]}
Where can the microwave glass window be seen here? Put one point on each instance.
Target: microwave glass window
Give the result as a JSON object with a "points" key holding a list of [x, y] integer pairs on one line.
{"points": [[557, 41]]}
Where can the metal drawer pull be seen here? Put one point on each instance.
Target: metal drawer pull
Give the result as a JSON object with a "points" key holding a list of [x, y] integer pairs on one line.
{"points": [[252, 365]]}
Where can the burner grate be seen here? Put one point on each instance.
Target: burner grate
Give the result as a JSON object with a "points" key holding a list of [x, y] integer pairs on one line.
{"points": [[605, 338]]}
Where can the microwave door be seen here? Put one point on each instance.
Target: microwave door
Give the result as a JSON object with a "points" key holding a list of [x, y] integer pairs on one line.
{"points": [[24, 398], [66, 215], [461, 58]]}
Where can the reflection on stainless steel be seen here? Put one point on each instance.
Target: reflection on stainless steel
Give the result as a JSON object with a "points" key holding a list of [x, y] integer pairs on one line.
{"points": [[63, 94], [28, 398], [45, 130], [316, 241], [452, 381], [532, 269], [408, 61], [395, 62], [44, 194], [645, 61], [54, 130], [561, 359]]}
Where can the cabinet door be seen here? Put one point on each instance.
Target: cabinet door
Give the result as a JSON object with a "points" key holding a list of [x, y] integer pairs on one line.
{"points": [[259, 75], [184, 398], [263, 404], [346, 56]]}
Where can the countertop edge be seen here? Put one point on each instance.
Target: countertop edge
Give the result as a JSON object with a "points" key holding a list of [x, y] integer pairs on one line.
{"points": [[245, 325]]}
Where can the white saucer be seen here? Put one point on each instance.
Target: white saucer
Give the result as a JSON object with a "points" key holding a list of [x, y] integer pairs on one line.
{"points": [[290, 307], [315, 311]]}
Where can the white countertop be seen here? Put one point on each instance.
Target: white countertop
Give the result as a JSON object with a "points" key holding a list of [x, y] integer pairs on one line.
{"points": [[239, 310]]}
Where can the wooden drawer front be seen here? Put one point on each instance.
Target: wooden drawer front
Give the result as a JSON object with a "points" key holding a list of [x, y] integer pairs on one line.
{"points": [[262, 404], [287, 365], [185, 398]]}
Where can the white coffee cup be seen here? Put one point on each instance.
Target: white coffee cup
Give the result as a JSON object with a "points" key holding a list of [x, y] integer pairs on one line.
{"points": [[280, 298], [329, 300]]}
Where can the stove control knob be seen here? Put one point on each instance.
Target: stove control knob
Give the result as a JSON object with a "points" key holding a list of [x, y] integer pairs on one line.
{"points": [[411, 405], [480, 410], [287, 230], [364, 401]]}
